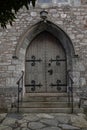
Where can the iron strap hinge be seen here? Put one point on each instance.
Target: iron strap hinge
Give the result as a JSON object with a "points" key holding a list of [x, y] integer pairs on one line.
{"points": [[33, 60]]}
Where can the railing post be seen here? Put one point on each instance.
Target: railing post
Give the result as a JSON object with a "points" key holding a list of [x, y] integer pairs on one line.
{"points": [[72, 96], [22, 87], [20, 83], [68, 100], [18, 98], [70, 90]]}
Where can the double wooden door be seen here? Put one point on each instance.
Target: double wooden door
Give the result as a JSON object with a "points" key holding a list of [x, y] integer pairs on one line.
{"points": [[45, 65]]}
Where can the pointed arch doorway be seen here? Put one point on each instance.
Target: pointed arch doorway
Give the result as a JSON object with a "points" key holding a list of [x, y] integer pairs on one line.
{"points": [[45, 66]]}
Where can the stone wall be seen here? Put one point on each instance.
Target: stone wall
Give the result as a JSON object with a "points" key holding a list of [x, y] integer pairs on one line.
{"points": [[73, 20]]}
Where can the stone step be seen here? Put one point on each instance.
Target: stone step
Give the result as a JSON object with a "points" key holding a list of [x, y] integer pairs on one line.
{"points": [[47, 110], [46, 94], [45, 104], [45, 97]]}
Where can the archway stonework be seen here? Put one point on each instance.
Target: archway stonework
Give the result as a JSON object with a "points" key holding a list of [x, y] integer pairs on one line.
{"points": [[35, 30]]}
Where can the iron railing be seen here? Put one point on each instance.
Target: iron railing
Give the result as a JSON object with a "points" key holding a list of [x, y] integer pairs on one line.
{"points": [[70, 90], [20, 90]]}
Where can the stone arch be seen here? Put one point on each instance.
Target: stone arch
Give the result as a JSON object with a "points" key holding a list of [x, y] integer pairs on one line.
{"points": [[56, 31]]}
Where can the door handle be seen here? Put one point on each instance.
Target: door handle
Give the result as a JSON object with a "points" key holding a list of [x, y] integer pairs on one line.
{"points": [[50, 72]]}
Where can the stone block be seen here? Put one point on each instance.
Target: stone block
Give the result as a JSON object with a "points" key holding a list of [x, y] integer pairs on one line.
{"points": [[51, 128], [52, 11], [72, 36], [34, 14], [35, 125], [62, 118], [3, 127], [82, 81], [68, 127], [2, 116], [76, 77], [55, 15], [51, 122], [11, 67], [79, 121], [79, 66], [80, 36]]}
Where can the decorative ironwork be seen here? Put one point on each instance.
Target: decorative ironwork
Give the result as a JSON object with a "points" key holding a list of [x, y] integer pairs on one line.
{"points": [[58, 85], [33, 85], [20, 90], [57, 60], [33, 60], [50, 71]]}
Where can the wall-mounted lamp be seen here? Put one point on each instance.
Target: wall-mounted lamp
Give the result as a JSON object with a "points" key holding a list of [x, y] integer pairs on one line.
{"points": [[43, 15]]}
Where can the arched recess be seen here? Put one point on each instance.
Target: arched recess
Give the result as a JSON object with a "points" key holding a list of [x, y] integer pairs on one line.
{"points": [[56, 31]]}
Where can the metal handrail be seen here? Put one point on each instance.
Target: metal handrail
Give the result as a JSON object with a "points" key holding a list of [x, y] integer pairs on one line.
{"points": [[70, 90], [20, 90]]}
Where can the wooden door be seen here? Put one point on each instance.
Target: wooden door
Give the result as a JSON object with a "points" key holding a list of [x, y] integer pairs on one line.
{"points": [[45, 65]]}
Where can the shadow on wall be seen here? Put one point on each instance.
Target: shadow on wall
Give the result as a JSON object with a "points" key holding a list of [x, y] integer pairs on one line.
{"points": [[3, 105]]}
